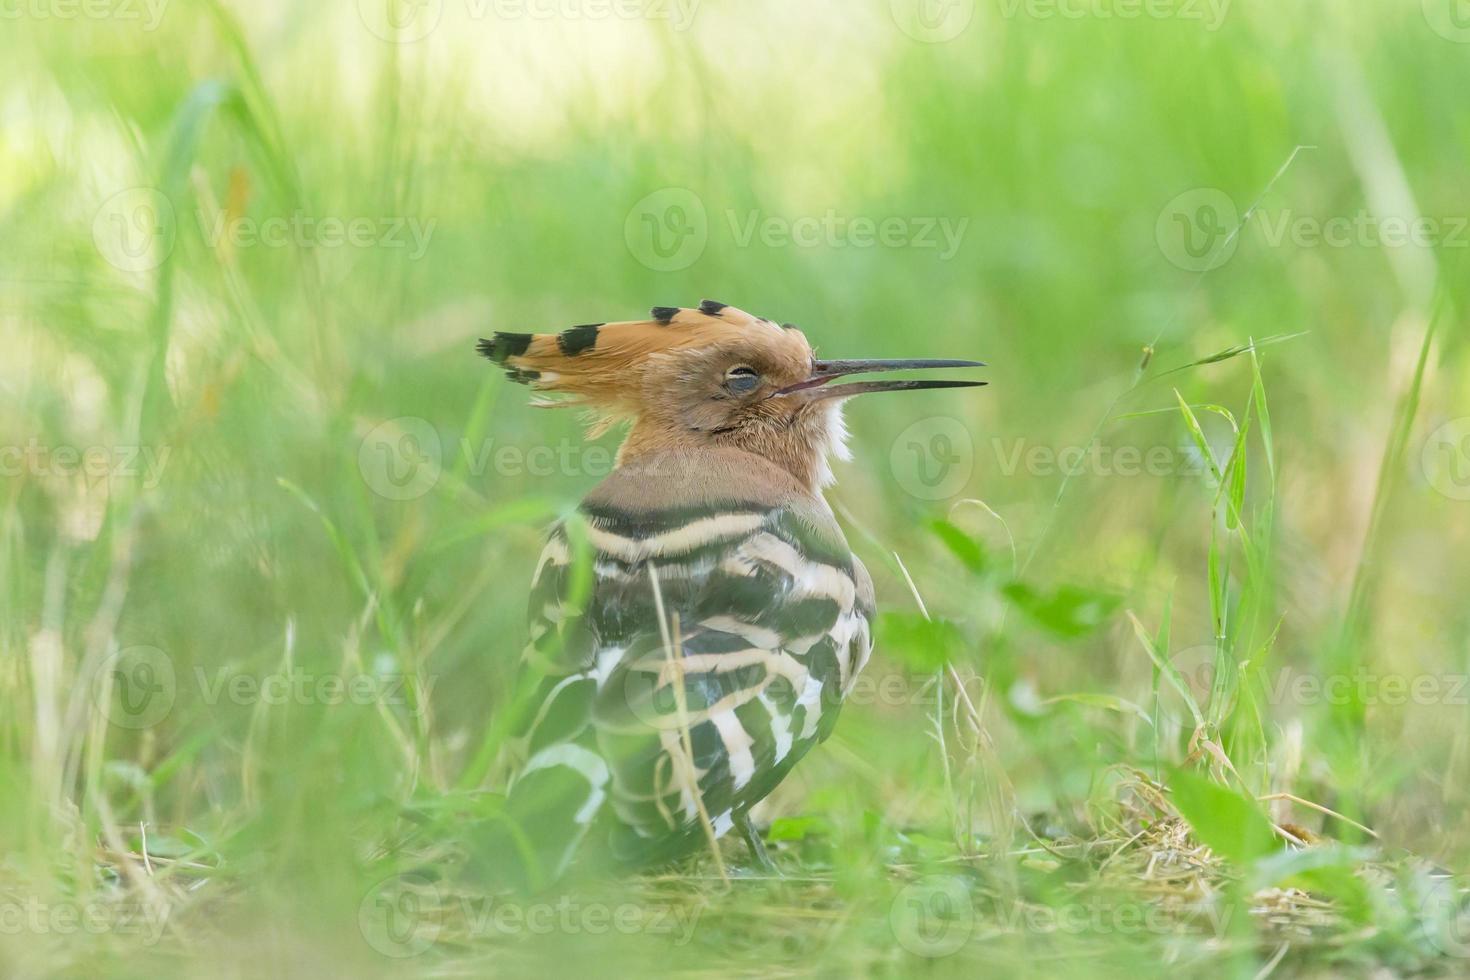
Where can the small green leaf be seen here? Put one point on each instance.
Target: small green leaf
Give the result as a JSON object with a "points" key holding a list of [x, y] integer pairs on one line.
{"points": [[1230, 824], [798, 828], [925, 644], [969, 551], [1198, 435], [1071, 611], [164, 847], [1258, 390], [1237, 484]]}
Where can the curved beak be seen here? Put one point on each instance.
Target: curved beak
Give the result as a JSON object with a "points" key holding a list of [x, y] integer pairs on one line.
{"points": [[824, 372]]}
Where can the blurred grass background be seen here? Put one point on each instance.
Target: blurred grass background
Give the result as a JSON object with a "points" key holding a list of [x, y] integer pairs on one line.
{"points": [[298, 467]]}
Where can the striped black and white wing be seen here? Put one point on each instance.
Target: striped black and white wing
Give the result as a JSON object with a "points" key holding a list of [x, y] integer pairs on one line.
{"points": [[766, 624]]}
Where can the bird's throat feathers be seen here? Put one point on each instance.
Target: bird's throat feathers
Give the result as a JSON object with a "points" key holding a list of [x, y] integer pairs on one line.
{"points": [[803, 444]]}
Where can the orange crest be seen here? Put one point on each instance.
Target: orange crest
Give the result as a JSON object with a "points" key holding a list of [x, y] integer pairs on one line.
{"points": [[601, 364]]}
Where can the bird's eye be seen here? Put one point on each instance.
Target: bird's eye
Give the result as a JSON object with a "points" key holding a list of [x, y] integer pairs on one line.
{"points": [[742, 379]]}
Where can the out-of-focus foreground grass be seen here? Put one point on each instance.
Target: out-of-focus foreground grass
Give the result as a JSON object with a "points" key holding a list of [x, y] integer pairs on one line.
{"points": [[266, 522]]}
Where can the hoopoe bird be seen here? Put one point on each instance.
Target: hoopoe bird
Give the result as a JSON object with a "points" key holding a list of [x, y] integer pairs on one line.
{"points": [[694, 631]]}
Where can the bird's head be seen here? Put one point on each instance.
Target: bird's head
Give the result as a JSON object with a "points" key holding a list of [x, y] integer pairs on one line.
{"points": [[703, 378]]}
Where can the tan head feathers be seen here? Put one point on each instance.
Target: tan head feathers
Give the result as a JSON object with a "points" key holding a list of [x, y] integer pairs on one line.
{"points": [[598, 364]]}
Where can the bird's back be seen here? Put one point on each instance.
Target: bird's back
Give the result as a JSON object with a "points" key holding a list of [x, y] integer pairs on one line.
{"points": [[727, 560]]}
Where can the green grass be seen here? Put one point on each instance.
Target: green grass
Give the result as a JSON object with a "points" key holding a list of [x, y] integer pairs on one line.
{"points": [[1199, 545]]}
